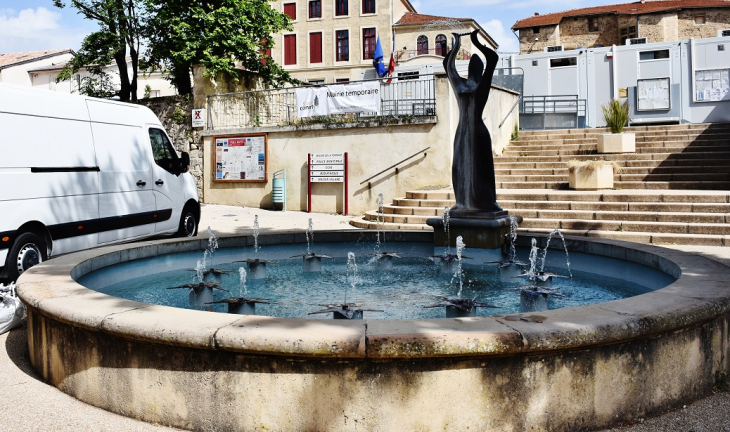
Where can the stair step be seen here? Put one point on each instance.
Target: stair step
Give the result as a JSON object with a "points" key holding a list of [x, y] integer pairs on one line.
{"points": [[642, 237], [633, 226]]}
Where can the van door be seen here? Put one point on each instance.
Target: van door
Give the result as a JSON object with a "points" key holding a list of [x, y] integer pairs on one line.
{"points": [[126, 200], [168, 185]]}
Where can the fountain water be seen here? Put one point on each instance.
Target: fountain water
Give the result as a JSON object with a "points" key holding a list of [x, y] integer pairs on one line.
{"points": [[241, 305], [459, 273], [311, 262], [347, 310], [256, 266], [509, 267], [382, 259]]}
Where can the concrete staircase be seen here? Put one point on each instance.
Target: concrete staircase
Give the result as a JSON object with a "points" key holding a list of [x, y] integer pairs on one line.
{"points": [[674, 190]]}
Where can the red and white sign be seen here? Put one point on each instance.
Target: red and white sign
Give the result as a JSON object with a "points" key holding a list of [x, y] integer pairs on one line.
{"points": [[199, 117]]}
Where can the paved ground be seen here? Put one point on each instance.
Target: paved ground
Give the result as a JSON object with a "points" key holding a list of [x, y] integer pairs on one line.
{"points": [[27, 404]]}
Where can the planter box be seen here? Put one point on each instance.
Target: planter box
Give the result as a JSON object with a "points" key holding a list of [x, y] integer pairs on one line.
{"points": [[588, 178], [617, 143]]}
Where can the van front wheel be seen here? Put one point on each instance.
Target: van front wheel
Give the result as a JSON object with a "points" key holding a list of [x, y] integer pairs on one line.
{"points": [[28, 250], [188, 224]]}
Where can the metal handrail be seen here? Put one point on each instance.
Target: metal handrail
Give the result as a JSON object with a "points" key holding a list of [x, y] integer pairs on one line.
{"points": [[396, 164]]}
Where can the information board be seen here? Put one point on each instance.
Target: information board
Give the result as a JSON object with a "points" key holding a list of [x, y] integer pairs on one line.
{"points": [[712, 85], [652, 94], [240, 158]]}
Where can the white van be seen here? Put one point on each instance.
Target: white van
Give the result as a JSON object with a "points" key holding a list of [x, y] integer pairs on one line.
{"points": [[78, 172]]}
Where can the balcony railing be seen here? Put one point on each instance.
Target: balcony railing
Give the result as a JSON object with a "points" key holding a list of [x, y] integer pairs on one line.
{"points": [[412, 96]]}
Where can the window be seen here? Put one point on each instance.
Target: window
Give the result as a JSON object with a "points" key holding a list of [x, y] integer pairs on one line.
{"points": [[441, 45], [290, 10], [408, 75], [315, 47], [162, 150], [562, 62], [315, 9], [627, 33], [342, 80], [368, 6], [535, 30], [422, 45], [699, 19], [290, 49], [341, 8], [368, 43], [316, 82], [592, 25], [343, 45], [654, 55]]}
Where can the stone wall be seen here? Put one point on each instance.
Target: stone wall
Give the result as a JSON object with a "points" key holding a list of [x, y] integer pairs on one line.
{"points": [[536, 42], [175, 113], [573, 32]]}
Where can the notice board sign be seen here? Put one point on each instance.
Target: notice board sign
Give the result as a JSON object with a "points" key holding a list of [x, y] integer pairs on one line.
{"points": [[327, 168], [712, 85], [240, 158], [652, 94]]}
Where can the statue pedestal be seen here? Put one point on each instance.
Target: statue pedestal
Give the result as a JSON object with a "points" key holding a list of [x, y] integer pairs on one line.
{"points": [[478, 230]]}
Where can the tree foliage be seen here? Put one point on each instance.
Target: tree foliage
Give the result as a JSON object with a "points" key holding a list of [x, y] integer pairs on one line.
{"points": [[120, 31], [225, 36]]}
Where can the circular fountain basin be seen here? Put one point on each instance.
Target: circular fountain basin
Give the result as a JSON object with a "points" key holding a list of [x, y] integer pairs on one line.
{"points": [[578, 367]]}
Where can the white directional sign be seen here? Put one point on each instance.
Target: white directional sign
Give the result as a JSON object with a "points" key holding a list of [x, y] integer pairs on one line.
{"points": [[327, 168]]}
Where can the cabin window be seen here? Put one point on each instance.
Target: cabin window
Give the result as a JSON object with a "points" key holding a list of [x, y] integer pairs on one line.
{"points": [[654, 55], [563, 62], [592, 25]]}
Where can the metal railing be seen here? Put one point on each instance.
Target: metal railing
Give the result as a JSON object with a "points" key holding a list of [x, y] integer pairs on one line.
{"points": [[367, 180], [552, 112], [405, 96]]}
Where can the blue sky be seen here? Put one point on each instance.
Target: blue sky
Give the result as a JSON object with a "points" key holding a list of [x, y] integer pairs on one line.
{"points": [[30, 25]]}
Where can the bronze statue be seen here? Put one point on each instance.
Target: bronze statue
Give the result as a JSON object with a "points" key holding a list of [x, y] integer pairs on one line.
{"points": [[472, 170]]}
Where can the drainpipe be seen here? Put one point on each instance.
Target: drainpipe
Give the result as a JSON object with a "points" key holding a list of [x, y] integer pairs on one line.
{"points": [[692, 67], [614, 70], [518, 42]]}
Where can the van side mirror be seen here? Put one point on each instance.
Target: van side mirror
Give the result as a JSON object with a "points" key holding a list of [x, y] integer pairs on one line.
{"points": [[184, 162]]}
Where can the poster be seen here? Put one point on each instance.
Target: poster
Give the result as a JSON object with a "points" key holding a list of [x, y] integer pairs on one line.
{"points": [[712, 85], [240, 158], [339, 99], [652, 94]]}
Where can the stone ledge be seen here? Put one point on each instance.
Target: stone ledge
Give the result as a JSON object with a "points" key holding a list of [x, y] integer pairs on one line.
{"points": [[49, 290]]}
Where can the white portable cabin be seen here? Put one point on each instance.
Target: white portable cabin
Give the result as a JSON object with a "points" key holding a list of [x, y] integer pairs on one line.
{"points": [[77, 172]]}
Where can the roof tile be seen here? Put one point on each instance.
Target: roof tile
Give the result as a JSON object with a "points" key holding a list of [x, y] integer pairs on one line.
{"points": [[22, 57], [635, 8]]}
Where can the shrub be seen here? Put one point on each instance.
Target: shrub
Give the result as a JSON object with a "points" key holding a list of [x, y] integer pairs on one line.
{"points": [[616, 115]]}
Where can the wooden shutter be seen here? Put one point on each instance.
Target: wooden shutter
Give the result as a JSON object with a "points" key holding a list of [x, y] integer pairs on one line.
{"points": [[290, 49], [290, 9], [315, 47]]}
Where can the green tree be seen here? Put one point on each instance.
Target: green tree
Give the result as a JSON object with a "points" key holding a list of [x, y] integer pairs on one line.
{"points": [[222, 35], [120, 30]]}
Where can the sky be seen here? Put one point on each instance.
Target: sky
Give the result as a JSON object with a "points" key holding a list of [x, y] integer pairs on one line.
{"points": [[35, 25]]}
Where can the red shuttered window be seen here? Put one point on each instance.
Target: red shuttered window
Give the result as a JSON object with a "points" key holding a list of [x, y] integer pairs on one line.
{"points": [[290, 49], [315, 47], [290, 10]]}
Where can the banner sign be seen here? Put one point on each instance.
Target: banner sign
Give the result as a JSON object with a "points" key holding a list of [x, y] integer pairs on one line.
{"points": [[339, 99]]}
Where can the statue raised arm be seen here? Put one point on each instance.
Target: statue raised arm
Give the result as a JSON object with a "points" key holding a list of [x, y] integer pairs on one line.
{"points": [[472, 170]]}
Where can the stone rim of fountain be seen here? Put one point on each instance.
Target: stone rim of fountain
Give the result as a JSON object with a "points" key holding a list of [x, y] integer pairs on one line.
{"points": [[697, 296]]}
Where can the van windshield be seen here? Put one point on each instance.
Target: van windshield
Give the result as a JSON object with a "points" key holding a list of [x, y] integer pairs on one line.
{"points": [[162, 150]]}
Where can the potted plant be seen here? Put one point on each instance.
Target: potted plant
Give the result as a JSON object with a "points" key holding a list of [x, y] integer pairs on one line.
{"points": [[591, 174], [616, 115]]}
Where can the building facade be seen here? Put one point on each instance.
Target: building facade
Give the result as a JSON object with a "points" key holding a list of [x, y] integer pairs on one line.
{"points": [[621, 24], [333, 41], [40, 69]]}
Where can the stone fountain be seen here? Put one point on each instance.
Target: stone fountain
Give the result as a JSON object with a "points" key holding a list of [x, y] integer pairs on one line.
{"points": [[476, 216]]}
